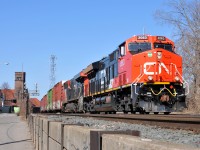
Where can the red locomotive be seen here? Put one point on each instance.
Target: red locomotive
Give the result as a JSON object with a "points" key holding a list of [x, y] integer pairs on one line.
{"points": [[144, 74]]}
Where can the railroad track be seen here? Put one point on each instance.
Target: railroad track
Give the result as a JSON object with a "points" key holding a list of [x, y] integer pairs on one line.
{"points": [[183, 122]]}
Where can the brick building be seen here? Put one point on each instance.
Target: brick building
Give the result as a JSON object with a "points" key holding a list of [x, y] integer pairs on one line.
{"points": [[7, 100], [20, 79]]}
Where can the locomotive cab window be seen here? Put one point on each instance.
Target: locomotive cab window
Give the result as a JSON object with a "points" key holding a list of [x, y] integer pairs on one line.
{"points": [[164, 46], [122, 50], [139, 47]]}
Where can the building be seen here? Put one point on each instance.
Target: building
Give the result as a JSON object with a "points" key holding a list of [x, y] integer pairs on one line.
{"points": [[34, 105], [20, 79], [7, 100]]}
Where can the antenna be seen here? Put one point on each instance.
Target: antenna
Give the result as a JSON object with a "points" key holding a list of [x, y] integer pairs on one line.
{"points": [[52, 71]]}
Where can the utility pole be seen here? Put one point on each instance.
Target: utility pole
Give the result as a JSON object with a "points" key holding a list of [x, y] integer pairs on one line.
{"points": [[34, 92]]}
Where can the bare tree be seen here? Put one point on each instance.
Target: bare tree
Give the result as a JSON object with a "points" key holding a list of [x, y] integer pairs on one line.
{"points": [[5, 85], [184, 16]]}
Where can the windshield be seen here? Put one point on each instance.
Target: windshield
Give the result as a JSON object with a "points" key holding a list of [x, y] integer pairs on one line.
{"points": [[164, 46], [139, 47]]}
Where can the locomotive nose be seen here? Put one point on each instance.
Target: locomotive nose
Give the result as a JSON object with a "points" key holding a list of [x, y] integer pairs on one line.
{"points": [[159, 55], [157, 66]]}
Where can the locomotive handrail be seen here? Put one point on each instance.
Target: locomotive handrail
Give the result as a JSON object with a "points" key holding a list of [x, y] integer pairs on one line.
{"points": [[138, 79], [164, 89], [184, 81]]}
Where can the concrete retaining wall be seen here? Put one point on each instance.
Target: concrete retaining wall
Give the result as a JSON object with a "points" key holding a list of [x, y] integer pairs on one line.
{"points": [[127, 142], [49, 134], [76, 137]]}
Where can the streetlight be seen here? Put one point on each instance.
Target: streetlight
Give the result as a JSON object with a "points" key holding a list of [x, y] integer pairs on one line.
{"points": [[6, 63]]}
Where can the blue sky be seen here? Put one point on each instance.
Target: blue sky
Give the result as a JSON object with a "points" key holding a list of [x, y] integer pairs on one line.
{"points": [[78, 32]]}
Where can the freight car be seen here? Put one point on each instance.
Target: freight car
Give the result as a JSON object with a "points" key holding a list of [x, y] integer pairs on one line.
{"points": [[58, 96], [43, 104], [53, 100], [144, 74]]}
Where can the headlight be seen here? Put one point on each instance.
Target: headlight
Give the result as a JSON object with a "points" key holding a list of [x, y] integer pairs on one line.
{"points": [[150, 78], [159, 55], [177, 78]]}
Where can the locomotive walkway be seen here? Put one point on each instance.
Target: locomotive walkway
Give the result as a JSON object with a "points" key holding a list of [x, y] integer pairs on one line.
{"points": [[14, 133]]}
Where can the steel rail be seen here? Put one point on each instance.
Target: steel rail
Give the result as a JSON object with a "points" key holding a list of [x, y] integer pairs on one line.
{"points": [[183, 122]]}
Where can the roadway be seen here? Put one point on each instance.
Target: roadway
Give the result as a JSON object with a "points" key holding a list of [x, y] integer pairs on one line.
{"points": [[14, 133]]}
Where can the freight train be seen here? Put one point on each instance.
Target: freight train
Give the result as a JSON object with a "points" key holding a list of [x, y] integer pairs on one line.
{"points": [[144, 74]]}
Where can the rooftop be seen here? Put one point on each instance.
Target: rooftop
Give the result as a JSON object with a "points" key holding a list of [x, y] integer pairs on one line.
{"points": [[35, 102], [8, 94]]}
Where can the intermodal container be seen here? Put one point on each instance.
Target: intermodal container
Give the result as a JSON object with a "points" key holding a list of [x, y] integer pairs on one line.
{"points": [[58, 95], [49, 100], [43, 103]]}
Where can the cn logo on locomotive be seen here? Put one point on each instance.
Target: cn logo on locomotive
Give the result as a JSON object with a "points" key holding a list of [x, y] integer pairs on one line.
{"points": [[149, 65]]}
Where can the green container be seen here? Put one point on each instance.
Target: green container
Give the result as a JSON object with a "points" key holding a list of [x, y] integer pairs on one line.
{"points": [[16, 110], [49, 100]]}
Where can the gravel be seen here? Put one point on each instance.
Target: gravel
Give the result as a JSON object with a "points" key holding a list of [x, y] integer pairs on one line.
{"points": [[149, 132]]}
